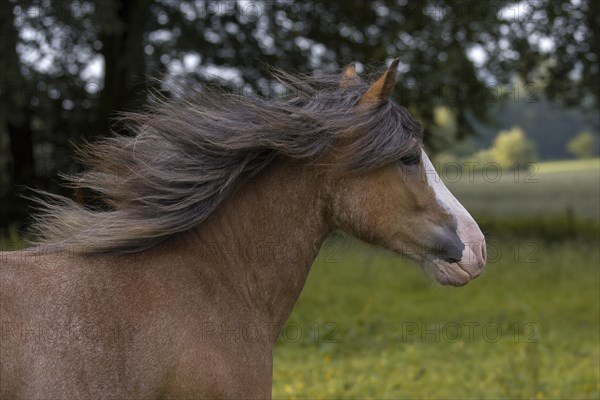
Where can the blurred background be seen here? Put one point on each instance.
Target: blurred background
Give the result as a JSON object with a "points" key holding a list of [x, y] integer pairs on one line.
{"points": [[507, 92]]}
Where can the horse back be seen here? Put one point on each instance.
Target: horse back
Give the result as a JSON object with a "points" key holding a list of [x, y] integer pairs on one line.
{"points": [[62, 332]]}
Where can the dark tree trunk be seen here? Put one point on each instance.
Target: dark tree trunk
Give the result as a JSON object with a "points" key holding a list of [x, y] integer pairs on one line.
{"points": [[21, 150], [22, 174], [122, 40], [15, 124]]}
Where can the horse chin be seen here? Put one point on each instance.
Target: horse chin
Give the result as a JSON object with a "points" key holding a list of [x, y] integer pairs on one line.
{"points": [[445, 273], [449, 274]]}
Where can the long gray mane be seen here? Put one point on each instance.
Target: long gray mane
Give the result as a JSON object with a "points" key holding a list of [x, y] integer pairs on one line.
{"points": [[187, 156]]}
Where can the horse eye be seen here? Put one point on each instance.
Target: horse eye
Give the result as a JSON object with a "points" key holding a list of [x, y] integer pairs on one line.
{"points": [[410, 160]]}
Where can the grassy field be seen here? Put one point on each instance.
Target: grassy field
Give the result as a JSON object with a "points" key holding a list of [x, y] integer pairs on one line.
{"points": [[551, 188], [371, 325]]}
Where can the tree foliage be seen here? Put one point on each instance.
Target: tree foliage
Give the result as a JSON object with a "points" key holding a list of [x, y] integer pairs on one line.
{"points": [[512, 149], [453, 54], [582, 145]]}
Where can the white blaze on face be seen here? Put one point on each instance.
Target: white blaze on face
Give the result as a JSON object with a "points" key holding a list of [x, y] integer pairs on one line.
{"points": [[443, 196], [473, 257]]}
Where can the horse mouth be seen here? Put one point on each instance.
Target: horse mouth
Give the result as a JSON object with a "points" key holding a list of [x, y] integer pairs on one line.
{"points": [[451, 274], [447, 273], [462, 272], [457, 273]]}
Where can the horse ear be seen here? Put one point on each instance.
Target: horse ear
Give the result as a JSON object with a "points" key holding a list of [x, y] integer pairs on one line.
{"points": [[382, 89], [349, 77]]}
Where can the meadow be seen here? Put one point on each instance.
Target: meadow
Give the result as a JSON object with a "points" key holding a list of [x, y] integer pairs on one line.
{"points": [[370, 324], [547, 189]]}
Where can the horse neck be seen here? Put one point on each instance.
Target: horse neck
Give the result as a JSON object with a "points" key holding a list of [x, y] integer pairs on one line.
{"points": [[264, 239]]}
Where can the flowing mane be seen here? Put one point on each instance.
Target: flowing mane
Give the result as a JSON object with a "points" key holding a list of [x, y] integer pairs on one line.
{"points": [[187, 156]]}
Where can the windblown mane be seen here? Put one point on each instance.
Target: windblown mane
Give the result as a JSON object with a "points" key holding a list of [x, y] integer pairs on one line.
{"points": [[187, 156]]}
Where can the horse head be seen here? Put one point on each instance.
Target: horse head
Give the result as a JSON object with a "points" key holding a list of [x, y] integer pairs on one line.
{"points": [[405, 206]]}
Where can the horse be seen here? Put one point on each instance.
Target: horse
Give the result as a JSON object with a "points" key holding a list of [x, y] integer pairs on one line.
{"points": [[177, 280]]}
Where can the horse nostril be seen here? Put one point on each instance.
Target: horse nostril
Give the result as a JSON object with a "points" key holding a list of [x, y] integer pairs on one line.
{"points": [[451, 260], [452, 252]]}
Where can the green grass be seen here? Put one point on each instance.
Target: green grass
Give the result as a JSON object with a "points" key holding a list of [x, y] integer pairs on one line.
{"points": [[553, 188], [550, 228], [371, 325], [12, 239], [569, 165], [361, 306]]}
